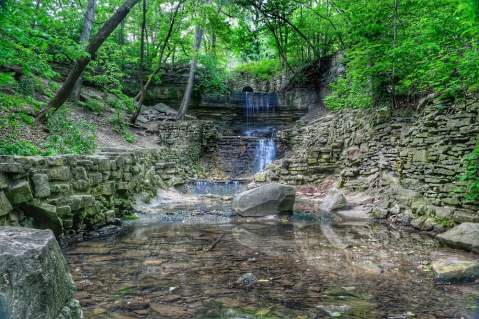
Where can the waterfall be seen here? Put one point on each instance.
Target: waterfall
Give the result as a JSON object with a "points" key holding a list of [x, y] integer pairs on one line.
{"points": [[255, 104], [265, 152]]}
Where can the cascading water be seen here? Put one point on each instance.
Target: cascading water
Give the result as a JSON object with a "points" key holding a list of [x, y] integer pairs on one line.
{"points": [[265, 152], [266, 149]]}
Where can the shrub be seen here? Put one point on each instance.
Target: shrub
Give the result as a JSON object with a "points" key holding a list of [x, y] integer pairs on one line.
{"points": [[22, 147], [262, 69], [70, 136]]}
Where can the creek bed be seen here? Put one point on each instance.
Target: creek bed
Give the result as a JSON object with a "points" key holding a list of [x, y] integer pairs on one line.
{"points": [[190, 268]]}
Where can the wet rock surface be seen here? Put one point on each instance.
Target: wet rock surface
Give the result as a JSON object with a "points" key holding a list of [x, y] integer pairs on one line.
{"points": [[265, 200], [34, 277], [455, 268], [465, 236]]}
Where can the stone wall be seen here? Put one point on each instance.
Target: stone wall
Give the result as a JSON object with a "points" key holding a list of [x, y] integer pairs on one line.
{"points": [[190, 137], [74, 193], [233, 155], [414, 158]]}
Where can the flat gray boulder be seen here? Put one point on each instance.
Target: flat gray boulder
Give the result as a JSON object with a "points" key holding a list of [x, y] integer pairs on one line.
{"points": [[455, 269], [34, 278], [265, 200], [464, 236]]}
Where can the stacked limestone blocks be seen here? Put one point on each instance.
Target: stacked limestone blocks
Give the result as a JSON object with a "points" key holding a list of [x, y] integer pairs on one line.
{"points": [[72, 193], [417, 155]]}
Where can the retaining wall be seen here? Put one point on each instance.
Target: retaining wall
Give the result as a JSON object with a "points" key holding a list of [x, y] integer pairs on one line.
{"points": [[416, 157], [72, 193]]}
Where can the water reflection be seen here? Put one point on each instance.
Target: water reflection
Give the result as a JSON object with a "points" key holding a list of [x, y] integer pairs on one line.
{"points": [[155, 270]]}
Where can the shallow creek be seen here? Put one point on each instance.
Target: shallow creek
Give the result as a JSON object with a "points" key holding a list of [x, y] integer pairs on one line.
{"points": [[185, 256]]}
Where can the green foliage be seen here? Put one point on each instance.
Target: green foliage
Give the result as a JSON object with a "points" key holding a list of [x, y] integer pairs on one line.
{"points": [[262, 69], [213, 77], [121, 127], [471, 174], [68, 136], [93, 105], [22, 147], [421, 46], [347, 94]]}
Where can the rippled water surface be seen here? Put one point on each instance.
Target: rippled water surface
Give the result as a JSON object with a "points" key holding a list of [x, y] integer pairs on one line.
{"points": [[188, 270]]}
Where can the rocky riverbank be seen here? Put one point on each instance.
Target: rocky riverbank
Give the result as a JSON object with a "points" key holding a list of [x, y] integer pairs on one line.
{"points": [[410, 160]]}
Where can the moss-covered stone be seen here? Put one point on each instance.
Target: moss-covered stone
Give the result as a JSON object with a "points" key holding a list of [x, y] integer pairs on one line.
{"points": [[41, 185], [19, 192]]}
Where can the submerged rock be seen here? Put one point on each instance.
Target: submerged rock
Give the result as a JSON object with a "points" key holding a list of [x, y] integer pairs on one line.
{"points": [[333, 201], [247, 280], [455, 269], [265, 200], [34, 277], [464, 236]]}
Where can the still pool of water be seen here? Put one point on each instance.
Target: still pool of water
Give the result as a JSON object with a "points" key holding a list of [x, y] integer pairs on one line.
{"points": [[188, 270]]}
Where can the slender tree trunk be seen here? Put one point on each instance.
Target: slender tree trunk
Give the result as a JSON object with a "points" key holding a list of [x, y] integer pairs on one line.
{"points": [[393, 75], [191, 77], [140, 97], [141, 67], [108, 27], [84, 38]]}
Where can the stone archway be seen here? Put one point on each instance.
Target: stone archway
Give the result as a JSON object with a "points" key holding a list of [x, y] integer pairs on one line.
{"points": [[248, 89]]}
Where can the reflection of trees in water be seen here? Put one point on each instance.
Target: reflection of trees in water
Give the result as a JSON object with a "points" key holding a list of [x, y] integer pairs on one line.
{"points": [[301, 261]]}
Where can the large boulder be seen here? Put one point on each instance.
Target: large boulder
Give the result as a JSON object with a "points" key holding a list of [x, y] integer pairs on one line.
{"points": [[265, 200], [455, 269], [464, 236], [34, 278]]}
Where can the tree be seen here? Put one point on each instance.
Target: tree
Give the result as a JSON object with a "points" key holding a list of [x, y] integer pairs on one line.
{"points": [[108, 27], [140, 97], [84, 38], [191, 76]]}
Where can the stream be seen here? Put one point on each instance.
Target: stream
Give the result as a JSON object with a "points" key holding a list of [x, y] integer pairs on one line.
{"points": [[188, 256]]}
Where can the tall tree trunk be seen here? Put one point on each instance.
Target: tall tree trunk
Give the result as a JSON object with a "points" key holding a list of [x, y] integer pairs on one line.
{"points": [[84, 38], [140, 97], [108, 27], [191, 77], [141, 68], [393, 75]]}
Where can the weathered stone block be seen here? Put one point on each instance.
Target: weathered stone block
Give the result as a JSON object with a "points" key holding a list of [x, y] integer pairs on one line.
{"points": [[79, 173], [81, 185], [61, 188], [19, 192], [5, 206], [56, 161], [34, 277], [64, 211], [465, 236], [3, 181], [419, 155], [11, 168], [108, 188], [122, 186], [96, 178], [44, 215], [59, 173], [41, 185]]}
